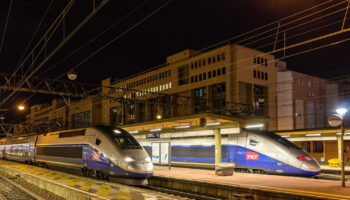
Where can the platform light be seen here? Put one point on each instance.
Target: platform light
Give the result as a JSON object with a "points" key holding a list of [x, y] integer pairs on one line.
{"points": [[159, 116], [313, 135], [155, 129], [21, 107], [285, 136], [213, 124], [133, 131], [180, 127], [341, 111], [254, 126]]}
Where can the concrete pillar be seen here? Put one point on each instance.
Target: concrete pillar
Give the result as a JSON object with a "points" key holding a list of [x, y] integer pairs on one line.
{"points": [[218, 152]]}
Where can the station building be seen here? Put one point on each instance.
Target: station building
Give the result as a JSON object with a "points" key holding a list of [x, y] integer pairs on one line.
{"points": [[305, 101], [229, 80], [66, 115]]}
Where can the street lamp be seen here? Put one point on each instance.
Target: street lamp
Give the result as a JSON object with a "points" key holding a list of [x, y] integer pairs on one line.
{"points": [[342, 112], [72, 75], [20, 107], [336, 120]]}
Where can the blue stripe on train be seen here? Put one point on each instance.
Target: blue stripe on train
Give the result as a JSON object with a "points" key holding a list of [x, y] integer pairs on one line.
{"points": [[103, 163], [238, 154]]}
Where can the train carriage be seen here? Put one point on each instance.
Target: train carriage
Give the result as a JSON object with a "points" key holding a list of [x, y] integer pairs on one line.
{"points": [[99, 151]]}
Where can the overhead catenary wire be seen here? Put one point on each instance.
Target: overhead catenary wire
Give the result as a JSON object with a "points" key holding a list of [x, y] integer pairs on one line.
{"points": [[120, 35], [66, 39], [100, 34], [6, 23]]}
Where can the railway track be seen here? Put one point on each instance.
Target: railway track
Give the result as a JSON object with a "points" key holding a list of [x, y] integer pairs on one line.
{"points": [[13, 188], [12, 191]]}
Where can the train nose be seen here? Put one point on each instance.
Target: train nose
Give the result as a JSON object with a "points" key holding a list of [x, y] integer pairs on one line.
{"points": [[142, 167], [311, 165]]}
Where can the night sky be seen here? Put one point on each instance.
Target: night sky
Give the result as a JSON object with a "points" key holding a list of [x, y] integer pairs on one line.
{"points": [[182, 24]]}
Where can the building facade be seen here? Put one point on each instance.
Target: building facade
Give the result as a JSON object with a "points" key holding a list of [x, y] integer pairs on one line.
{"points": [[304, 101], [228, 80], [60, 115]]}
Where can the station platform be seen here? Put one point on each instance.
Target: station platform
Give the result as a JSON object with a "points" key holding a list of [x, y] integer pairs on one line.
{"points": [[67, 184], [301, 186], [334, 170]]}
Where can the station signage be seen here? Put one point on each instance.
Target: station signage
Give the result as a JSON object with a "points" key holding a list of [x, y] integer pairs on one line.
{"points": [[250, 155], [155, 135]]}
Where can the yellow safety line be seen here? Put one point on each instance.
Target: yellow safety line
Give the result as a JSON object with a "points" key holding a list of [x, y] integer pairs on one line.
{"points": [[87, 185], [73, 182], [62, 179], [54, 176], [103, 190]]}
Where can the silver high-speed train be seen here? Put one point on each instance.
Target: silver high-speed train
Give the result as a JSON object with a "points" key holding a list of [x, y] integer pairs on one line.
{"points": [[251, 151], [100, 151]]}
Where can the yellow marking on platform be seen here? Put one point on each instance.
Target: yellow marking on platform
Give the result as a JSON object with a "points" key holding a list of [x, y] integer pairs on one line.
{"points": [[87, 185], [62, 179], [45, 174], [55, 176], [103, 190], [73, 182]]}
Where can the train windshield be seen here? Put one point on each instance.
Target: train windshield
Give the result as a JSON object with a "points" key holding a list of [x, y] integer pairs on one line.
{"points": [[124, 139], [280, 140]]}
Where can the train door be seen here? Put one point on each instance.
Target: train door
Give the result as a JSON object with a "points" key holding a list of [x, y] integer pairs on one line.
{"points": [[161, 153], [252, 155], [232, 149], [238, 147]]}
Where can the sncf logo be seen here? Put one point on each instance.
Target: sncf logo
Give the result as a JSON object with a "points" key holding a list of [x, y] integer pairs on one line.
{"points": [[250, 155]]}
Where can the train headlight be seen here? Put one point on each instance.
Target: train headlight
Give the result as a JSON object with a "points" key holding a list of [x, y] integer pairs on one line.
{"points": [[128, 159], [148, 159]]}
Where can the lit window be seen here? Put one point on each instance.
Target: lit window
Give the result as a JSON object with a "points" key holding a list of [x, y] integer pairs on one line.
{"points": [[169, 85]]}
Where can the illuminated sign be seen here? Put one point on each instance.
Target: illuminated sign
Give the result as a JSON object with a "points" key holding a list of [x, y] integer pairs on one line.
{"points": [[96, 156], [250, 155]]}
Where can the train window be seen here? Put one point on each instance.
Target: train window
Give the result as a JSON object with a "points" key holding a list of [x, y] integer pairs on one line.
{"points": [[71, 133], [97, 142], [253, 142], [279, 139], [123, 138]]}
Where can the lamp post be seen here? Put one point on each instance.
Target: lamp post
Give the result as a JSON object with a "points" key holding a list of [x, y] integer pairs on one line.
{"points": [[342, 112], [72, 75], [338, 120]]}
